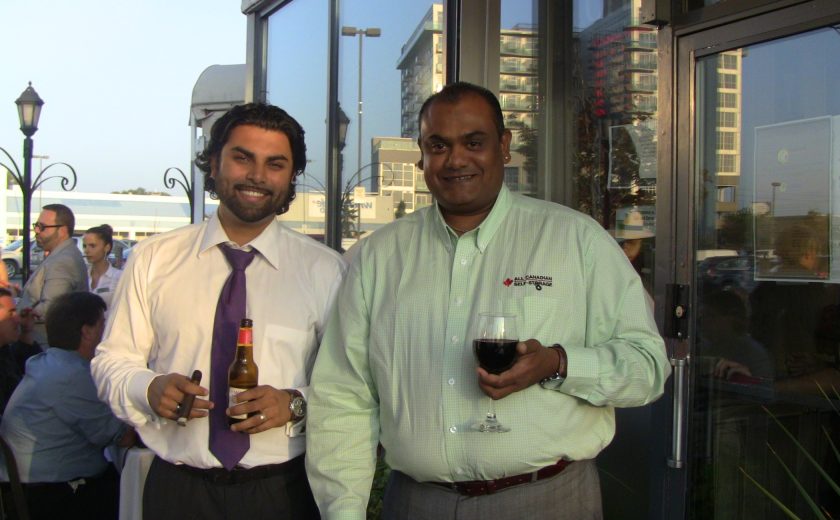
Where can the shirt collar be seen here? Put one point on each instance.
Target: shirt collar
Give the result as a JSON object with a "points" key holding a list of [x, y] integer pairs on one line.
{"points": [[486, 230], [265, 243]]}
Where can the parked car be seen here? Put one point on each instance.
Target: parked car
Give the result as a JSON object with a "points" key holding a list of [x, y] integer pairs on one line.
{"points": [[13, 257], [728, 272], [117, 256]]}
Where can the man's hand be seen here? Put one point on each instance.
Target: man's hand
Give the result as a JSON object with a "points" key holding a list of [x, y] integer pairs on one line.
{"points": [[726, 368], [270, 406], [166, 393], [533, 364], [27, 325]]}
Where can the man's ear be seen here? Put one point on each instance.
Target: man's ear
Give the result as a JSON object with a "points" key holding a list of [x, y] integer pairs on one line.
{"points": [[419, 163], [87, 332], [506, 138]]}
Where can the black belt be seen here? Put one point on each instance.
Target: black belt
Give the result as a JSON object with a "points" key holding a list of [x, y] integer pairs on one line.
{"points": [[72, 484], [239, 474], [474, 488]]}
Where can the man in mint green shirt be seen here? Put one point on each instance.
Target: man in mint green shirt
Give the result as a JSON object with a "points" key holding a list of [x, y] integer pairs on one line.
{"points": [[396, 365]]}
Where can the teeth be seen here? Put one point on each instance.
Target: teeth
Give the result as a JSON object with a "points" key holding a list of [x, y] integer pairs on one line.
{"points": [[252, 193]]}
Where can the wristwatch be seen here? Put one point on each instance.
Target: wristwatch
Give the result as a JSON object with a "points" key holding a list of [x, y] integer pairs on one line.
{"points": [[297, 405], [553, 381]]}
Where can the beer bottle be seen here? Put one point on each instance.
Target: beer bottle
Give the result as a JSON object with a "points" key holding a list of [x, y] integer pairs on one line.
{"points": [[243, 372]]}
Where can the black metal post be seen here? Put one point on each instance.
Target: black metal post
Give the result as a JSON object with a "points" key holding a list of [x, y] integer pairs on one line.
{"points": [[26, 191], [184, 182]]}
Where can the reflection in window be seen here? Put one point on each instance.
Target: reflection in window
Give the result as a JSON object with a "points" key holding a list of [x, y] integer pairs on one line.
{"points": [[518, 92], [615, 126], [768, 291], [726, 194], [399, 69]]}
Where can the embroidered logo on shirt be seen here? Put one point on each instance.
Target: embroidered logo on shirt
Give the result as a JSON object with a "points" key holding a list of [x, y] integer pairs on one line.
{"points": [[538, 281]]}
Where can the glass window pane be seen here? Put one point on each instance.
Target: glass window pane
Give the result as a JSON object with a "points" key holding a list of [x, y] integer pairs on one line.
{"points": [[768, 275], [612, 81], [615, 87], [296, 82], [391, 60], [518, 92]]}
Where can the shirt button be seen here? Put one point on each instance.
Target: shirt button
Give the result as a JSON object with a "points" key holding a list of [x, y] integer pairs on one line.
{"points": [[459, 471], [463, 261], [451, 381], [454, 339], [459, 300], [453, 429]]}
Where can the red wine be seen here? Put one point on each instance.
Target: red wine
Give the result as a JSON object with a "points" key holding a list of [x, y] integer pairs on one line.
{"points": [[495, 355]]}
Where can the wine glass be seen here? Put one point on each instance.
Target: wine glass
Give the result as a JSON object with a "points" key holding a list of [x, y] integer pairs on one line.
{"points": [[494, 346]]}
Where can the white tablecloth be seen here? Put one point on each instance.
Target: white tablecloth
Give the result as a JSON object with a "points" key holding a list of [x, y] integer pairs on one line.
{"points": [[132, 480]]}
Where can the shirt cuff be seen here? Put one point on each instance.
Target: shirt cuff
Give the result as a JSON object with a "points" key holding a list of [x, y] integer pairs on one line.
{"points": [[581, 371], [138, 393]]}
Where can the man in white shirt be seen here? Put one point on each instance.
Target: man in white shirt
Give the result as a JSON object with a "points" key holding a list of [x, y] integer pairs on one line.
{"points": [[161, 328]]}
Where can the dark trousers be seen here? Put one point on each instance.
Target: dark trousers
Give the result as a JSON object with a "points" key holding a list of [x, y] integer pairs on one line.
{"points": [[95, 499], [267, 492]]}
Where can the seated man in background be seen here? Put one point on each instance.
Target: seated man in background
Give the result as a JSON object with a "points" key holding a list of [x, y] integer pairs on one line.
{"points": [[16, 345], [57, 427]]}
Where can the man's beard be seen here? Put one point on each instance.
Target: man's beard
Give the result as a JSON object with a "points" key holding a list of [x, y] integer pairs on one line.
{"points": [[249, 213]]}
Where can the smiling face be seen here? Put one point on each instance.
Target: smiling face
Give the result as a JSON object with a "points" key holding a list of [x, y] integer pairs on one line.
{"points": [[253, 173], [462, 156], [95, 249]]}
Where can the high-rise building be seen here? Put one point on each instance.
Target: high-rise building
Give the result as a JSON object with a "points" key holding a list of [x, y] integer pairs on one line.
{"points": [[422, 67]]}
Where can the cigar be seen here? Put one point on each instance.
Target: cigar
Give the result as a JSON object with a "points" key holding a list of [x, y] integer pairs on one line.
{"points": [[187, 404]]}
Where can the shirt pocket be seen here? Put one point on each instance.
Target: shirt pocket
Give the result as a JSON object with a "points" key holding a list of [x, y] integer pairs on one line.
{"points": [[551, 319], [285, 357]]}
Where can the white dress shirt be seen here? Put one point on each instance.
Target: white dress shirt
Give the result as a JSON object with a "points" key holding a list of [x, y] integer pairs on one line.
{"points": [[107, 284], [162, 322]]}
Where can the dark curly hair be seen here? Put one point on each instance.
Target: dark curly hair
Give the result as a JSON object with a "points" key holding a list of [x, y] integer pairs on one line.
{"points": [[268, 117]]}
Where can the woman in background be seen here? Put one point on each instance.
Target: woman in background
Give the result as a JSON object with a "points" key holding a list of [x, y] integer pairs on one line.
{"points": [[97, 244]]}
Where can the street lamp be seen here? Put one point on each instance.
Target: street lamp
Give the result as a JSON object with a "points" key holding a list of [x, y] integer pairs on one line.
{"points": [[370, 32], [29, 112], [774, 185]]}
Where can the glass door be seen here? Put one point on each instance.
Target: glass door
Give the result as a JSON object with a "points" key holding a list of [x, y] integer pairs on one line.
{"points": [[764, 226]]}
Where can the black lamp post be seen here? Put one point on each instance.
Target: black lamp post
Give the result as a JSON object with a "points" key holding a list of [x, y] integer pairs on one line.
{"points": [[171, 180], [370, 32], [29, 111]]}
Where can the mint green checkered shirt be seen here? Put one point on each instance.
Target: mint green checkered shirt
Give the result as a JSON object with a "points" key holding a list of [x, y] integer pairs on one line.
{"points": [[396, 364]]}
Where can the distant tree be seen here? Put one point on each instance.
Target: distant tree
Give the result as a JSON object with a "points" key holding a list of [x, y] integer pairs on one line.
{"points": [[349, 213], [400, 211], [140, 191]]}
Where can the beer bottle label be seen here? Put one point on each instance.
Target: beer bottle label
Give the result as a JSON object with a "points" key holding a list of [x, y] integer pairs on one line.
{"points": [[232, 393]]}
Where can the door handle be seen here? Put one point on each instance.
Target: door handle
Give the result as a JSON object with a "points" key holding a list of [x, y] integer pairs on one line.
{"points": [[677, 458]]}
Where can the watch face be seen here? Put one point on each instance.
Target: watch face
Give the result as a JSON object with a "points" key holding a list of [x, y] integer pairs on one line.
{"points": [[550, 383], [298, 406]]}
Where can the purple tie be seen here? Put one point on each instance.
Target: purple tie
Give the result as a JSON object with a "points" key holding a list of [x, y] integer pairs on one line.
{"points": [[228, 446]]}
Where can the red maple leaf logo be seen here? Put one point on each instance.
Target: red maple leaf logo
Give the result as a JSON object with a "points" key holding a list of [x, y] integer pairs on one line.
{"points": [[507, 282]]}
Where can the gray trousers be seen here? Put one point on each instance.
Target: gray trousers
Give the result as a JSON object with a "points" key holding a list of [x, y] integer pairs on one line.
{"points": [[574, 494]]}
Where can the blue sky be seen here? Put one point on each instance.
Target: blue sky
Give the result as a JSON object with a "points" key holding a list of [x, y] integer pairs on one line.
{"points": [[117, 78]]}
